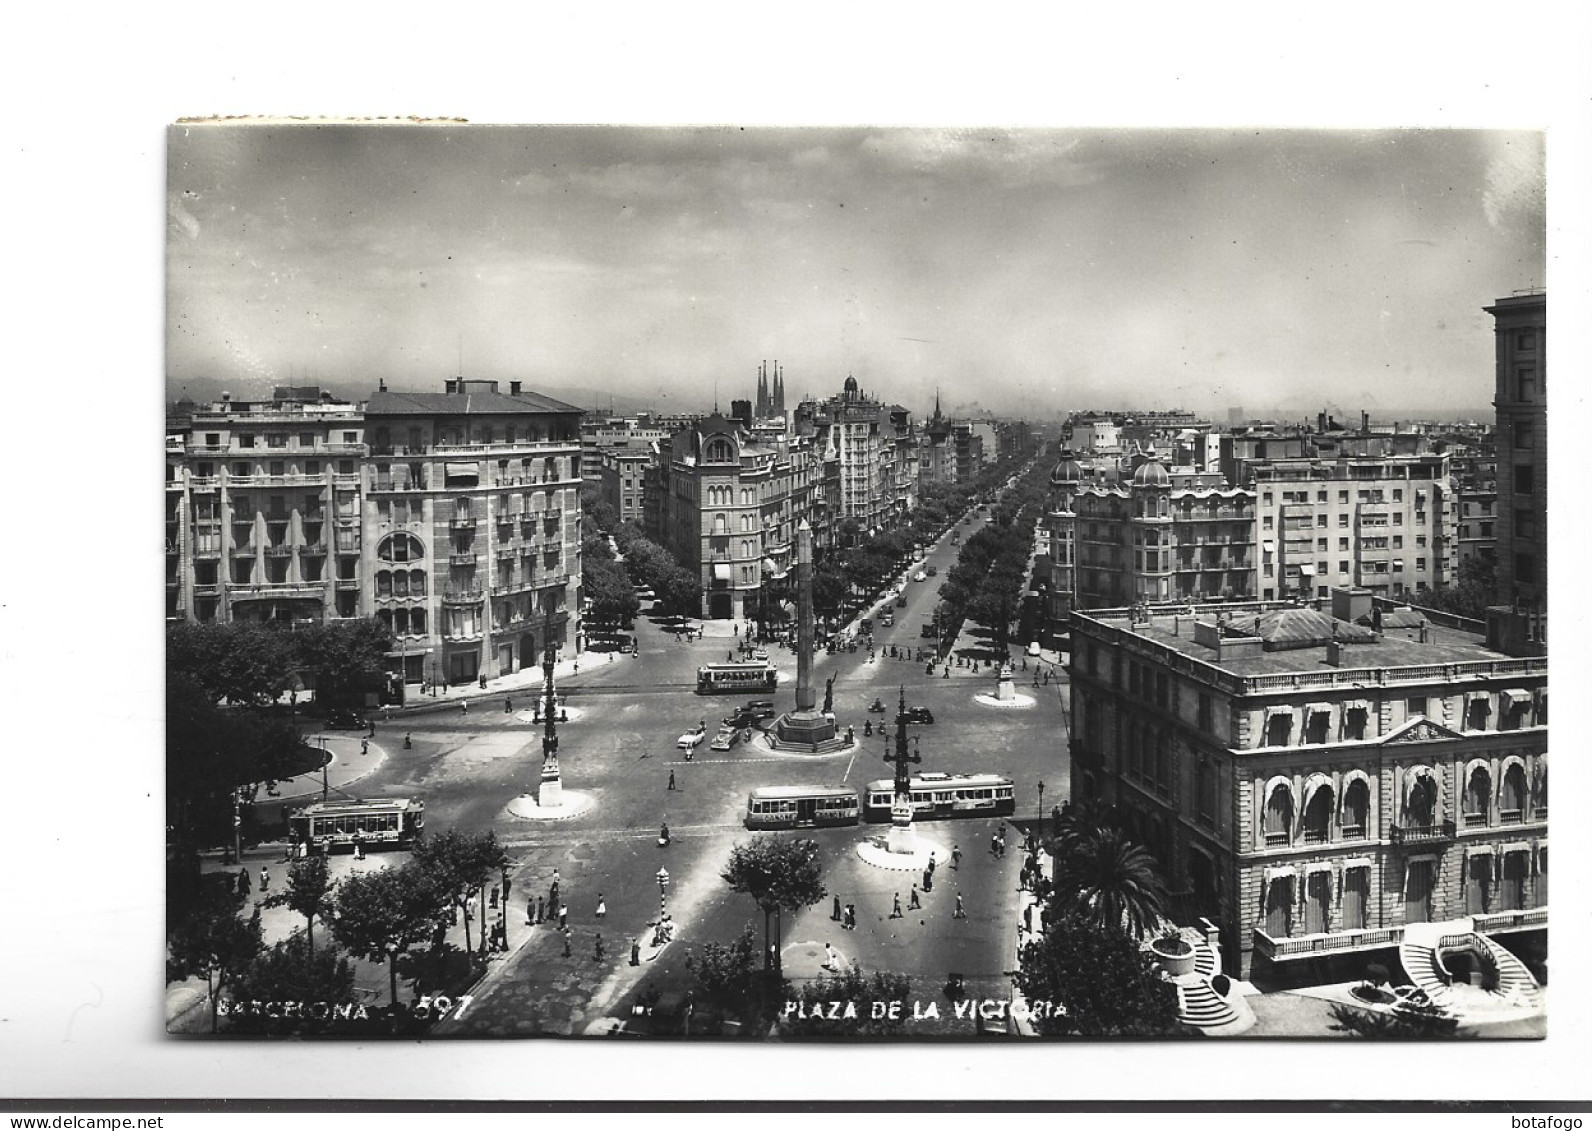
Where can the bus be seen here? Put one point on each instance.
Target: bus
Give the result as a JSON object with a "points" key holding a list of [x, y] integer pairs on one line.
{"points": [[749, 676], [396, 822], [800, 806], [944, 795]]}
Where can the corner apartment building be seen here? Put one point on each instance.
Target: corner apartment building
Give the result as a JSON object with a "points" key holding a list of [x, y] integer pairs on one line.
{"points": [[262, 509], [731, 507], [1161, 536], [471, 527], [1314, 780]]}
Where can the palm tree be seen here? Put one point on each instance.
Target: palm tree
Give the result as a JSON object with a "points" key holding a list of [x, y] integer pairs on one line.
{"points": [[1108, 879], [1081, 821]]}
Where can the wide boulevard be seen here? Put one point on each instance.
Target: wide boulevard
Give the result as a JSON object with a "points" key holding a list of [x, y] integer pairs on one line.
{"points": [[618, 749]]}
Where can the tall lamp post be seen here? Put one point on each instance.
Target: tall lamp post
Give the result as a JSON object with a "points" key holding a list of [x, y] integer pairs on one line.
{"points": [[237, 825], [1041, 801], [551, 795], [901, 837], [660, 936]]}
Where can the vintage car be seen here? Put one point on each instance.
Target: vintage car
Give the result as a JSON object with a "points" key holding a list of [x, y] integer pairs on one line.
{"points": [[691, 739], [725, 739]]}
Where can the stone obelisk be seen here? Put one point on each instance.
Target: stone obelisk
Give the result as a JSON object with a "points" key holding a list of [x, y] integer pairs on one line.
{"points": [[804, 725]]}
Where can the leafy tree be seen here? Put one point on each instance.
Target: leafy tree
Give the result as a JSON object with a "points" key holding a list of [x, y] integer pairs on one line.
{"points": [[647, 563], [308, 892], [1110, 881], [340, 658], [1473, 590], [859, 992], [732, 981], [214, 942], [1417, 1020], [829, 587], [380, 915], [779, 874], [291, 971], [681, 593], [1100, 981], [613, 598], [459, 867], [235, 662]]}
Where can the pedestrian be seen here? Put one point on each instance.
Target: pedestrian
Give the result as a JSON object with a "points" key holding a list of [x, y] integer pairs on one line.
{"points": [[539, 916], [530, 912], [359, 847], [566, 941], [835, 914], [508, 705], [994, 845], [729, 656], [408, 742], [1028, 917], [663, 835], [931, 864], [635, 952], [956, 857], [831, 959], [364, 746], [1047, 677], [602, 907], [492, 901], [960, 912], [563, 917], [597, 950], [372, 729], [895, 912], [265, 879], [928, 880], [671, 779], [464, 706], [506, 885], [914, 903], [690, 959], [850, 921], [483, 681], [243, 883]]}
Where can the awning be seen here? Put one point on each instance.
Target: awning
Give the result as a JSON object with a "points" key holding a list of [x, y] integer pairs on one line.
{"points": [[1273, 712], [1307, 570], [1313, 783], [1355, 862], [1473, 696], [1318, 866], [1516, 846], [1279, 872], [1268, 546], [769, 568], [462, 470], [1356, 705], [1517, 696], [721, 571], [1480, 850], [1318, 709]]}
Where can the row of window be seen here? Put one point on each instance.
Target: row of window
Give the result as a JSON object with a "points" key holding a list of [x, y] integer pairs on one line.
{"points": [[278, 439]]}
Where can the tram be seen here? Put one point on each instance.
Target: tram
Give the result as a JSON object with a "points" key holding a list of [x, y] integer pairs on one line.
{"points": [[395, 821], [748, 677], [944, 795], [800, 806]]}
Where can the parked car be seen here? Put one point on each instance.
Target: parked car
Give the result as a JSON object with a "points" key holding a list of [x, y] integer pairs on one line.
{"points": [[920, 715], [760, 655], [901, 600], [887, 619], [751, 713], [724, 739], [346, 719], [920, 576], [691, 739], [933, 571], [1033, 647]]}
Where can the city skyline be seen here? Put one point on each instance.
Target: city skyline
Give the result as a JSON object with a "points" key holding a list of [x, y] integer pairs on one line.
{"points": [[1029, 272]]}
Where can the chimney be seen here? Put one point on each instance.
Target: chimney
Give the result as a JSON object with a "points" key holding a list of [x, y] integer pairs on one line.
{"points": [[514, 388], [1365, 421], [1321, 422], [1335, 653], [381, 385]]}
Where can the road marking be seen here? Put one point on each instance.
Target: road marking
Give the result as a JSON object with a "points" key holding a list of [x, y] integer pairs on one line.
{"points": [[849, 763]]}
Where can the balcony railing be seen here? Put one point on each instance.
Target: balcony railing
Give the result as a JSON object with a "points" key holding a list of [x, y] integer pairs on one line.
{"points": [[244, 550], [505, 552], [1475, 820], [462, 559], [1421, 834], [463, 636], [461, 594], [314, 550], [1511, 920], [265, 589], [1338, 942], [462, 522], [279, 551], [1276, 840], [348, 583]]}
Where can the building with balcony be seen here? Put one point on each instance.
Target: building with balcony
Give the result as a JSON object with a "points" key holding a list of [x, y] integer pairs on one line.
{"points": [[471, 528], [1163, 535], [1316, 778], [731, 507], [262, 509], [1386, 523]]}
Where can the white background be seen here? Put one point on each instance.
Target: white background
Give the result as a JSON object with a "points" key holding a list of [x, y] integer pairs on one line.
{"points": [[90, 93]]}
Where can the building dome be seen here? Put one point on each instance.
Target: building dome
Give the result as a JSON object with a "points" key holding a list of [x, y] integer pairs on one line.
{"points": [[1068, 470], [1151, 473], [850, 386]]}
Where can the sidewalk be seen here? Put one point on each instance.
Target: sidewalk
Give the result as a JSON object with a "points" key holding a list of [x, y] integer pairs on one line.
{"points": [[520, 687]]}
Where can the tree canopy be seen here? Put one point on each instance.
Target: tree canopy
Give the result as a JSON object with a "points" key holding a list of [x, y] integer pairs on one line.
{"points": [[780, 874], [1100, 982]]}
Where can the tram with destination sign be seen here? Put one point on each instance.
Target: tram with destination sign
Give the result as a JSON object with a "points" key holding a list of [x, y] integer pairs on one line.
{"points": [[395, 821], [944, 795], [749, 677], [800, 806]]}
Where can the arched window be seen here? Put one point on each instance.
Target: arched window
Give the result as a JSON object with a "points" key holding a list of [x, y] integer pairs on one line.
{"points": [[1420, 806], [400, 583], [1356, 808], [400, 548], [719, 451], [385, 617], [1279, 815], [1318, 815], [417, 583], [1512, 802], [1478, 796], [383, 583]]}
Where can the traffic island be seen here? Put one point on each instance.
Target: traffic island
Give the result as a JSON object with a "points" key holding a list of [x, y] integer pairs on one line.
{"points": [[875, 851], [572, 803]]}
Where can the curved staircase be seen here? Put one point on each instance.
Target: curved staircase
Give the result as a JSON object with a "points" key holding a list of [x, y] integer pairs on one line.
{"points": [[1418, 953]]}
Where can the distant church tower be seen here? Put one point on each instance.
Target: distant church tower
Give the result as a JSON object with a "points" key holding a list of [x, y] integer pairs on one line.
{"points": [[779, 391]]}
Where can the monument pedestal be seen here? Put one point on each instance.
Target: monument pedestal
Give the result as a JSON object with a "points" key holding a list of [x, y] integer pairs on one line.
{"points": [[902, 839], [805, 727], [551, 795], [1005, 689]]}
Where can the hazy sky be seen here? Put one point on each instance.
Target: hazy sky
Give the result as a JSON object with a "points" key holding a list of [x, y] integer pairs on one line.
{"points": [[1030, 271]]}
